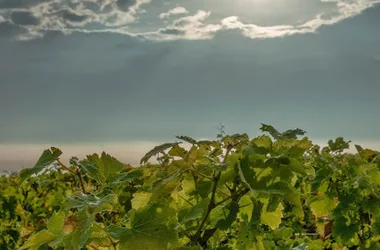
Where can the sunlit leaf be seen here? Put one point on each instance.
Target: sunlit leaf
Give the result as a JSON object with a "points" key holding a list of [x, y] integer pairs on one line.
{"points": [[56, 222], [38, 239]]}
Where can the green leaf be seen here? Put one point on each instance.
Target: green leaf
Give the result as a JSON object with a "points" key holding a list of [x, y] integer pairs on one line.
{"points": [[226, 223], [56, 222], [131, 175], [116, 231], [187, 139], [72, 241], [296, 166], [92, 203], [178, 151], [283, 233], [246, 174], [150, 228], [194, 212], [272, 219], [48, 157], [338, 145], [246, 239], [366, 154], [86, 230], [288, 134], [322, 207], [38, 239], [273, 203], [140, 199], [164, 186], [156, 150], [293, 133], [271, 130], [345, 228], [203, 189], [284, 189], [103, 169]]}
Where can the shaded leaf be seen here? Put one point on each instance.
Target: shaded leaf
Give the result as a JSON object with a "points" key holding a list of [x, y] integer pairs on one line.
{"points": [[155, 151], [187, 139], [86, 230], [48, 157]]}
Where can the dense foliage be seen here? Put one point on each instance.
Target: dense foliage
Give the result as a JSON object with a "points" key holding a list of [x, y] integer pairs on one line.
{"points": [[276, 191]]}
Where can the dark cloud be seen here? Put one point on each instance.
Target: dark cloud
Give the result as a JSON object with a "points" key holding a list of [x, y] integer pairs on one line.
{"points": [[71, 16], [125, 5], [172, 31], [24, 18], [8, 4], [10, 30]]}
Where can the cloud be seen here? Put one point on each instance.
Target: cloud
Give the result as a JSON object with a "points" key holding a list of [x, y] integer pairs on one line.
{"points": [[9, 30], [189, 27], [37, 17], [344, 10], [23, 18], [8, 4], [126, 5], [175, 11]]}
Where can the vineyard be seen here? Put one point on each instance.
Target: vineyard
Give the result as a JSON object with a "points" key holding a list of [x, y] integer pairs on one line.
{"points": [[275, 191]]}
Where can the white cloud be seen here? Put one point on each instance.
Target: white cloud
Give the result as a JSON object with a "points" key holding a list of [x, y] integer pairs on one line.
{"points": [[117, 16], [189, 28], [344, 10], [175, 11]]}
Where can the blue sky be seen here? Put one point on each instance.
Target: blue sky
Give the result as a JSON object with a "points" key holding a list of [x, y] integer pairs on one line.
{"points": [[125, 75]]}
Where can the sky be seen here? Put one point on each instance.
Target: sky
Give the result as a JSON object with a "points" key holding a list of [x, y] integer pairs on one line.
{"points": [[126, 75]]}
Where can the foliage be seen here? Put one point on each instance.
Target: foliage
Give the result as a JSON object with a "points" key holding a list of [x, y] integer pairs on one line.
{"points": [[270, 192]]}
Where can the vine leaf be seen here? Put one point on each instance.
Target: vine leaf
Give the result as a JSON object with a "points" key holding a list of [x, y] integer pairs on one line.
{"points": [[187, 139], [226, 223], [92, 203], [102, 169], [151, 227], [56, 222], [156, 150], [339, 144], [38, 239], [288, 134], [178, 151], [272, 219], [86, 231], [48, 157], [131, 175], [367, 154], [271, 130]]}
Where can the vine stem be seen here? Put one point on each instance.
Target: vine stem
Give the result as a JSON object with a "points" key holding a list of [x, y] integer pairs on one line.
{"points": [[77, 173], [212, 205], [81, 181], [64, 166], [114, 244]]}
